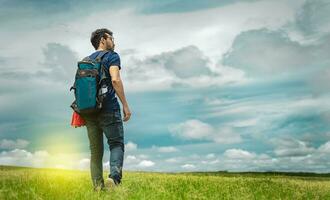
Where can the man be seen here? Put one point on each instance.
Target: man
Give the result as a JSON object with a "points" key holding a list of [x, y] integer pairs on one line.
{"points": [[109, 121]]}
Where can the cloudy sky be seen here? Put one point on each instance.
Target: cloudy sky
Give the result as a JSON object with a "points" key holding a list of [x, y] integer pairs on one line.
{"points": [[237, 85]]}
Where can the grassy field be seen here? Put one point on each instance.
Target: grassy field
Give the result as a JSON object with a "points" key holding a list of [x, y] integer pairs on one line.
{"points": [[30, 183]]}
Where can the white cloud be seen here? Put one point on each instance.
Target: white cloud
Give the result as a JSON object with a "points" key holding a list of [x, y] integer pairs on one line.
{"points": [[239, 154], [12, 144], [236, 159], [215, 101], [57, 58], [130, 159], [318, 81], [282, 106], [185, 62], [186, 67], [106, 165], [243, 16], [233, 159], [138, 162], [279, 54], [313, 20], [251, 110], [214, 37], [210, 162], [210, 156], [42, 159], [194, 129], [244, 122], [226, 135], [146, 163], [21, 157], [171, 160], [166, 149], [131, 146], [291, 147], [142, 156], [325, 148], [188, 166], [84, 164]]}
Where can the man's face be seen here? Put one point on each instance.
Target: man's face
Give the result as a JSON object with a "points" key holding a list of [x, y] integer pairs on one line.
{"points": [[109, 42]]}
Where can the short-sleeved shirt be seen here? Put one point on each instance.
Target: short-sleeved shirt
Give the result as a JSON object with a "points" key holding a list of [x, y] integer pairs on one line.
{"points": [[111, 58]]}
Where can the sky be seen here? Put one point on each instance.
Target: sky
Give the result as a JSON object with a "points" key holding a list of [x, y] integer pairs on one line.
{"points": [[235, 85]]}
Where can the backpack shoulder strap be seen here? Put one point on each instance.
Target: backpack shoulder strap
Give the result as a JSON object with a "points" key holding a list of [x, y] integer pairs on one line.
{"points": [[103, 69], [100, 56], [87, 58]]}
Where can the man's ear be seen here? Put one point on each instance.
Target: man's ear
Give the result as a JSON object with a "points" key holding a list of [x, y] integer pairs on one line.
{"points": [[102, 40]]}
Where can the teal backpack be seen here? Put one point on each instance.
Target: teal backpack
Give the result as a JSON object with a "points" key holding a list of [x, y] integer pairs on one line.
{"points": [[90, 85]]}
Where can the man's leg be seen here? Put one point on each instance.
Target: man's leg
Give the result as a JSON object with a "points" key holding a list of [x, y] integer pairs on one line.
{"points": [[95, 136], [112, 126]]}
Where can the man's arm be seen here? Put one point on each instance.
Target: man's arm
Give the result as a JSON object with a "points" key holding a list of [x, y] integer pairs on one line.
{"points": [[119, 89]]}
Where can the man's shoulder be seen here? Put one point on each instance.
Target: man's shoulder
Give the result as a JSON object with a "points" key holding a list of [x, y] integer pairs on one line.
{"points": [[113, 59], [107, 55], [94, 54], [112, 54]]}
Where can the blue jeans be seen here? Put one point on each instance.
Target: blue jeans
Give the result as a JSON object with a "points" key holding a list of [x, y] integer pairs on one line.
{"points": [[111, 124]]}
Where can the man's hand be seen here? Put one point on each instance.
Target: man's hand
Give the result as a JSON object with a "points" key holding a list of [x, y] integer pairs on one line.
{"points": [[127, 113]]}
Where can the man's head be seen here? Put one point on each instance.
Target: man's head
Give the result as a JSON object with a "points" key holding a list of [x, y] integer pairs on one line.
{"points": [[103, 39]]}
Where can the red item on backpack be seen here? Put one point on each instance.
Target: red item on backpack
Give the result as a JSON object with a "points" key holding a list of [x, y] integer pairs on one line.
{"points": [[77, 120]]}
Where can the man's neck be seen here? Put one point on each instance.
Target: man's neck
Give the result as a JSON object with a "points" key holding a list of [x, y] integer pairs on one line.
{"points": [[100, 49]]}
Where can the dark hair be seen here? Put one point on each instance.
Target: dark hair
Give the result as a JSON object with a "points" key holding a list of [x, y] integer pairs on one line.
{"points": [[97, 35]]}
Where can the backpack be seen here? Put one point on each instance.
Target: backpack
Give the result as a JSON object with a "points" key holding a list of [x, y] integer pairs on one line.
{"points": [[90, 85]]}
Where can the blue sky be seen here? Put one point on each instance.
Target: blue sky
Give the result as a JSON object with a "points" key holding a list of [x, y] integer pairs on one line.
{"points": [[231, 85]]}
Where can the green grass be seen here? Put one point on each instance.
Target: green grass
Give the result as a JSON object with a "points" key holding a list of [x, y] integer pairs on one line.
{"points": [[31, 183]]}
